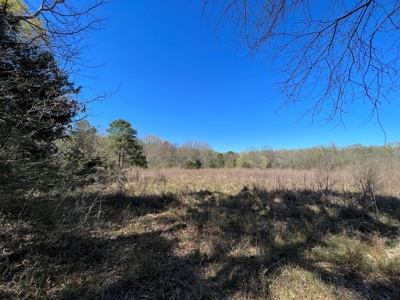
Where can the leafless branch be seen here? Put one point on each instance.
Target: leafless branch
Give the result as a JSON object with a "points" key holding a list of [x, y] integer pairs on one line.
{"points": [[333, 54]]}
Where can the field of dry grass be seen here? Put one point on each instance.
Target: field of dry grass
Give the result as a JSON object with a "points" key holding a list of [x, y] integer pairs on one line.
{"points": [[208, 234]]}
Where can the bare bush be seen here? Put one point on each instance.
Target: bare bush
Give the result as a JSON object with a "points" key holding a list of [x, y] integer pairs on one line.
{"points": [[324, 175], [368, 179]]}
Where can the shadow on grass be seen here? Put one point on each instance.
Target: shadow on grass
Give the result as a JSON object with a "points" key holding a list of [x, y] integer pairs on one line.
{"points": [[259, 232], [217, 247], [114, 205]]}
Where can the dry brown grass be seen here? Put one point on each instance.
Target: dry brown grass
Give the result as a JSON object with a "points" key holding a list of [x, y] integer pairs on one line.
{"points": [[206, 234], [297, 283], [231, 181]]}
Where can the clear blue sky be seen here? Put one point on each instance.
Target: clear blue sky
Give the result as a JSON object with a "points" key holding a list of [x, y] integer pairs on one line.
{"points": [[181, 79]]}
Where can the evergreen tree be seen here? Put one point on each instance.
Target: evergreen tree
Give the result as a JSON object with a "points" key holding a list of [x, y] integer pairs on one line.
{"points": [[37, 106], [81, 151], [125, 144]]}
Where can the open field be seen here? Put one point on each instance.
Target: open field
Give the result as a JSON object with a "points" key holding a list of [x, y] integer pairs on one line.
{"points": [[208, 234]]}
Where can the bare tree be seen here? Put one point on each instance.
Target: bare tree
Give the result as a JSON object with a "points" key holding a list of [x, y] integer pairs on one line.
{"points": [[61, 26], [191, 151], [151, 147], [332, 53]]}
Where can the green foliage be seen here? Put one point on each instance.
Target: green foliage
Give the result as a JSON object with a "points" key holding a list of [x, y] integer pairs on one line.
{"points": [[235, 164], [211, 165], [125, 144], [265, 163], [245, 164], [80, 151], [220, 160], [193, 164]]}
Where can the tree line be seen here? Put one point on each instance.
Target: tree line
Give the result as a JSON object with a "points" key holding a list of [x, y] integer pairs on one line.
{"points": [[121, 148], [161, 153]]}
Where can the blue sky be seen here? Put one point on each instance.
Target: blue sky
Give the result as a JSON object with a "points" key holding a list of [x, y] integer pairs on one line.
{"points": [[180, 79]]}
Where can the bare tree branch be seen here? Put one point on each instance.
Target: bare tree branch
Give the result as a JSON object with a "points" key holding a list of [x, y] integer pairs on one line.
{"points": [[332, 53], [64, 26]]}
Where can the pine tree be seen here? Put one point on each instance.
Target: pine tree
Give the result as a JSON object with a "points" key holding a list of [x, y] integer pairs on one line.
{"points": [[125, 144]]}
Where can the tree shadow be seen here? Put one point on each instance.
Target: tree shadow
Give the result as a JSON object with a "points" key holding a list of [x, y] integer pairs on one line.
{"points": [[283, 228], [219, 247], [141, 205]]}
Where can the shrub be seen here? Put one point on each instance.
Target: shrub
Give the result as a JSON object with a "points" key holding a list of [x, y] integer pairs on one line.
{"points": [[368, 179], [324, 175], [193, 164]]}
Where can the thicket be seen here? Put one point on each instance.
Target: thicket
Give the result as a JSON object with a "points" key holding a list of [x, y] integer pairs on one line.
{"points": [[38, 102]]}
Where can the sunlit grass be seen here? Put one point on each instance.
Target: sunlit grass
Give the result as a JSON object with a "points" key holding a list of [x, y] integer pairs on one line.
{"points": [[296, 283]]}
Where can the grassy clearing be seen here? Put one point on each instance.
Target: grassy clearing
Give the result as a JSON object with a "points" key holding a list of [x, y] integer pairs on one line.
{"points": [[205, 234]]}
